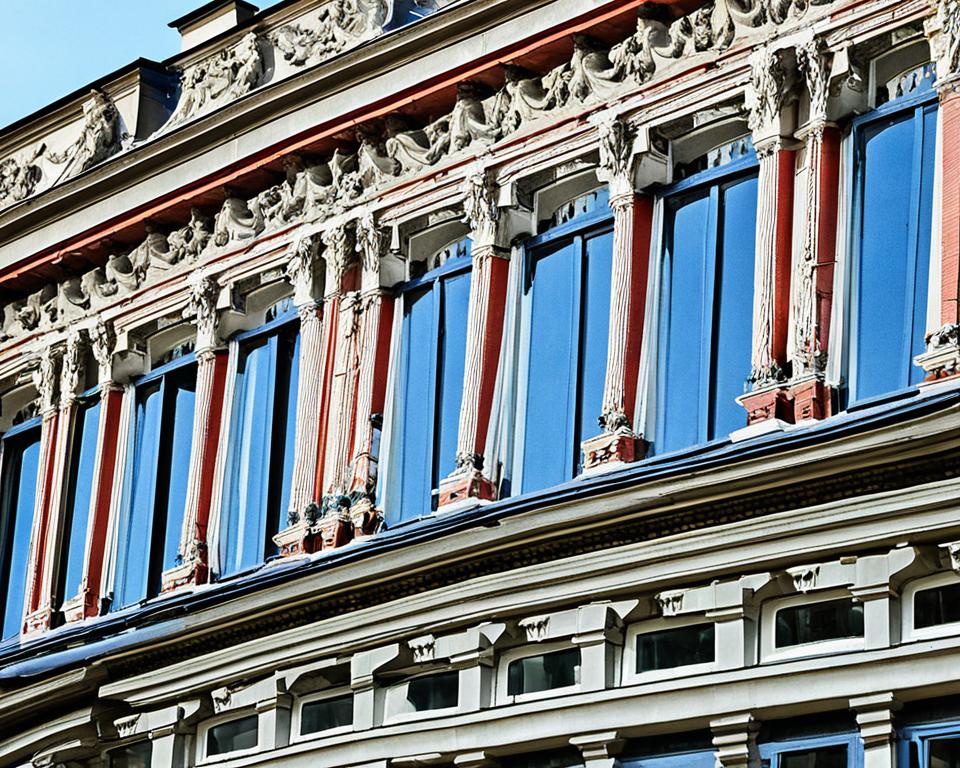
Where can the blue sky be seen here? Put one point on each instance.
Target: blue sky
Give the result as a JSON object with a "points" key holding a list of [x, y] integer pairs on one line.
{"points": [[52, 47]]}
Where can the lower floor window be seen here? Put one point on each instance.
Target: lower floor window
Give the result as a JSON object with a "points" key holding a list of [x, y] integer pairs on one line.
{"points": [[325, 714], [232, 736], [945, 753], [676, 647], [936, 606], [823, 757], [560, 669], [816, 622], [137, 755], [433, 692]]}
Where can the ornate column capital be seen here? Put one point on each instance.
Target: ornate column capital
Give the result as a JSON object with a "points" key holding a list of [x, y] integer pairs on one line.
{"points": [[305, 270], [771, 88], [46, 378], [943, 31], [73, 367], [371, 246], [481, 212], [338, 255], [202, 308], [103, 342], [814, 63], [616, 159]]}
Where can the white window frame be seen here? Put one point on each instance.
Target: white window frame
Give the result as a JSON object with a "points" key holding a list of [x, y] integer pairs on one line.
{"points": [[770, 653], [910, 633], [630, 676], [398, 691], [525, 652], [235, 714], [296, 718]]}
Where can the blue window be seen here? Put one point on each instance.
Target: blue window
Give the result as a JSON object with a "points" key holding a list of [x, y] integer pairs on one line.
{"points": [[426, 416], [706, 305], [843, 750], [934, 745], [21, 465], [894, 154], [698, 758], [566, 307], [260, 461], [161, 435], [80, 486]]}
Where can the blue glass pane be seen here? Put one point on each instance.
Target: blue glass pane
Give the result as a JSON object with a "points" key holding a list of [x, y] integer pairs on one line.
{"points": [[136, 532], [178, 413], [704, 759], [733, 306], [887, 252], [23, 465], [553, 294], [81, 492], [289, 435], [688, 246], [924, 233], [412, 444], [453, 345], [596, 329], [243, 524]]}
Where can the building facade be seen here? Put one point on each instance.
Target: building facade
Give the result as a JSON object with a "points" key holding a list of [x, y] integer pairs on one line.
{"points": [[477, 383]]}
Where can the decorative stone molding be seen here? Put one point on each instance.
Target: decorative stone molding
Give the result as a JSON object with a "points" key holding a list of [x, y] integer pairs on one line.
{"points": [[735, 741], [943, 30], [202, 309], [423, 648], [875, 719], [535, 627], [74, 359], [952, 553], [46, 378], [340, 24], [670, 603], [218, 79], [942, 358]]}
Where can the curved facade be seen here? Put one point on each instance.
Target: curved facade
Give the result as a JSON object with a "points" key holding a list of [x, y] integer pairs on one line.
{"points": [[543, 383]]}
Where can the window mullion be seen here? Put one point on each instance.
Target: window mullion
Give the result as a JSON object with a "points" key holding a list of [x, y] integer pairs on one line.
{"points": [[436, 372], [711, 256], [575, 383]]}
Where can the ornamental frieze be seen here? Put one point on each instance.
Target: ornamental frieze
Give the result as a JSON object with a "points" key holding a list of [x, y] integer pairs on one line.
{"points": [[387, 150]]}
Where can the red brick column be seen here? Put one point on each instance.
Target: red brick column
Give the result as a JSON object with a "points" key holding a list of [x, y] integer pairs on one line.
{"points": [[86, 602], [38, 611]]}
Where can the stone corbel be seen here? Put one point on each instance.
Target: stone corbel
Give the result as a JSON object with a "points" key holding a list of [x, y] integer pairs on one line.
{"points": [[875, 719], [364, 668], [599, 750], [735, 741]]}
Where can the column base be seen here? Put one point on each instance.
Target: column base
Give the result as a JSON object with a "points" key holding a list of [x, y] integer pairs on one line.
{"points": [[620, 447], [772, 402], [190, 573], [466, 483], [40, 620], [365, 518], [942, 358], [80, 606], [812, 399], [298, 539], [335, 529]]}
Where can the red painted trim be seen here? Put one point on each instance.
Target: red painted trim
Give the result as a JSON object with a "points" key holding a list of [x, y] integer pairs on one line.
{"points": [[208, 462], [305, 140], [331, 320], [950, 211], [103, 495], [48, 442], [786, 164], [827, 232], [497, 277], [642, 233], [382, 362]]}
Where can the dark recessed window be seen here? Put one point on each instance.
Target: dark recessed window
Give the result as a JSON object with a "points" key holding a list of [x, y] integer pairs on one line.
{"points": [[945, 753], [325, 714], [815, 622], [132, 756], [940, 605], [824, 757], [232, 736], [545, 672], [433, 692], [677, 647]]}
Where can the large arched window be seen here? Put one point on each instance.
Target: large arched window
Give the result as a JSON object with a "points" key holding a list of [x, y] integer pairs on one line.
{"points": [[893, 174], [706, 302], [429, 383], [261, 436], [156, 480], [564, 328], [20, 463]]}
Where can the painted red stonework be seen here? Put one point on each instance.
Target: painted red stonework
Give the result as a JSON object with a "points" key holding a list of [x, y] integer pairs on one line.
{"points": [[950, 240], [786, 165]]}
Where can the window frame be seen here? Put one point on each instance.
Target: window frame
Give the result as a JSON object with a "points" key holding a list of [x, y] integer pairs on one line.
{"points": [[524, 652], [771, 751], [434, 279], [917, 103], [911, 633], [768, 649], [296, 718], [129, 468], [578, 230], [287, 321], [15, 433], [727, 174], [921, 735], [629, 675], [225, 717], [394, 717]]}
